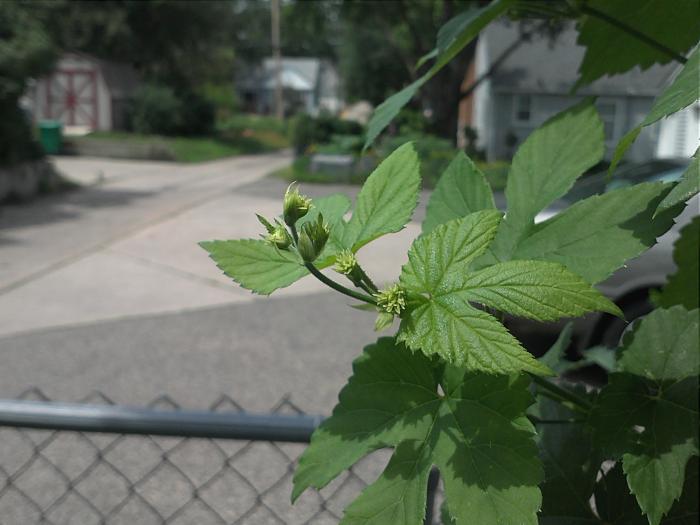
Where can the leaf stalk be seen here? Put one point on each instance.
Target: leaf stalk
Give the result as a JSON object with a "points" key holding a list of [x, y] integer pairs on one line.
{"points": [[328, 281], [561, 394]]}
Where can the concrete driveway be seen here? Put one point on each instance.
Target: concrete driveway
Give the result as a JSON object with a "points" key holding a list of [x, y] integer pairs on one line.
{"points": [[105, 288]]}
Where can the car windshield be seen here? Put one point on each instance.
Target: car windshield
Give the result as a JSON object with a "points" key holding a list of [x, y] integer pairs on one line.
{"points": [[660, 170]]}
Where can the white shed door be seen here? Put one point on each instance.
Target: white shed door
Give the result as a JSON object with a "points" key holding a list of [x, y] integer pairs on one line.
{"points": [[72, 97]]}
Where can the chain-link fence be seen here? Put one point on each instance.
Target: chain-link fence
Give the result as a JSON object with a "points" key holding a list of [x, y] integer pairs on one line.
{"points": [[153, 466]]}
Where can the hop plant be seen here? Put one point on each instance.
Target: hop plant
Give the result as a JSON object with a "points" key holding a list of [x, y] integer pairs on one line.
{"points": [[313, 238], [295, 205], [345, 262], [277, 234], [391, 300]]}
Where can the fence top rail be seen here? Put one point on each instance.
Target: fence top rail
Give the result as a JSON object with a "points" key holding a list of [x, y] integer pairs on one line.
{"points": [[117, 419]]}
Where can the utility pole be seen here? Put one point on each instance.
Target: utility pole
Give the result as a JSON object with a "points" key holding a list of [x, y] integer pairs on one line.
{"points": [[277, 57]]}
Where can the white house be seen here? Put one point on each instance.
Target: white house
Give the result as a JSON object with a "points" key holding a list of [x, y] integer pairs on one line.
{"points": [[535, 82], [310, 85], [84, 93]]}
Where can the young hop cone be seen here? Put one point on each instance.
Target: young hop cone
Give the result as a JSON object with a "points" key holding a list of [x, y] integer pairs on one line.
{"points": [[312, 239], [295, 205], [277, 234]]}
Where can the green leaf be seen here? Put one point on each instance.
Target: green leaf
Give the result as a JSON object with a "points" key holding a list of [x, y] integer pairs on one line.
{"points": [[263, 268], [610, 51], [685, 510], [256, 264], [545, 167], [570, 459], [596, 236], [452, 38], [555, 357], [625, 142], [398, 495], [685, 88], [615, 504], [682, 286], [435, 259], [653, 426], [538, 290], [440, 319], [663, 345], [688, 186], [333, 207], [387, 110], [466, 337], [461, 190], [649, 413], [387, 199], [683, 91], [602, 356], [391, 396], [476, 434]]}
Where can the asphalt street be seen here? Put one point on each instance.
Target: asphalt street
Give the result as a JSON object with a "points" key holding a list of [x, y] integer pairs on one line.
{"points": [[104, 291], [105, 288]]}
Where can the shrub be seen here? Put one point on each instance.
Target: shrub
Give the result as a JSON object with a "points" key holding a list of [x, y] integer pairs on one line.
{"points": [[411, 121], [303, 132], [223, 98], [156, 110], [306, 130], [197, 115]]}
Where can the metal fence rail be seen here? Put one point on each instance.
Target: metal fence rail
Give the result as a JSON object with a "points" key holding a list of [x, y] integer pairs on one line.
{"points": [[97, 462]]}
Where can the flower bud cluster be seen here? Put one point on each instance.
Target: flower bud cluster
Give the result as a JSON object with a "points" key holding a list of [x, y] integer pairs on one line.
{"points": [[295, 205], [313, 238], [345, 262], [391, 300], [277, 234]]}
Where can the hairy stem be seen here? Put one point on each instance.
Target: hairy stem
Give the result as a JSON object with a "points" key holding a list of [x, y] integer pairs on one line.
{"points": [[330, 282], [339, 287], [367, 282], [562, 394], [586, 9]]}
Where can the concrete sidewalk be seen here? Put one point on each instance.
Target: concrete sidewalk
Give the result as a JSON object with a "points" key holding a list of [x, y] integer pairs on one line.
{"points": [[125, 245]]}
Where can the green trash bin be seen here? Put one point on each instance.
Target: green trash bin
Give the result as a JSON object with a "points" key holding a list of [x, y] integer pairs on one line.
{"points": [[50, 136]]}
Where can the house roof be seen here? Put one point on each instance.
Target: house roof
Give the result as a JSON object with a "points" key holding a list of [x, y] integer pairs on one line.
{"points": [[298, 74], [541, 66]]}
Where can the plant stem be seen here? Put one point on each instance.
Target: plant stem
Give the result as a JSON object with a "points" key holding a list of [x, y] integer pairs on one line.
{"points": [[586, 9], [366, 288], [330, 282], [539, 421], [339, 287], [367, 281], [295, 234], [562, 393]]}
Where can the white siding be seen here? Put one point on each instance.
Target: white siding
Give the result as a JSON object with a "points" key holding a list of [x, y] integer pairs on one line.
{"points": [[679, 134]]}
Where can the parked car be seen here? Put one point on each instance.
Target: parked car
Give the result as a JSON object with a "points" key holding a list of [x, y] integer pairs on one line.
{"points": [[628, 287]]}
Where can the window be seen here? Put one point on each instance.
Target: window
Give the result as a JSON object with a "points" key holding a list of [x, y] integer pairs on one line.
{"points": [[608, 114], [523, 108]]}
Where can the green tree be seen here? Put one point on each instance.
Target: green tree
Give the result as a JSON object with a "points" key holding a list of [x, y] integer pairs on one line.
{"points": [[26, 51], [166, 41], [381, 44]]}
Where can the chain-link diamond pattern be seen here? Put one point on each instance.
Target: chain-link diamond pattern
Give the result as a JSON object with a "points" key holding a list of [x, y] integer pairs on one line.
{"points": [[61, 478]]}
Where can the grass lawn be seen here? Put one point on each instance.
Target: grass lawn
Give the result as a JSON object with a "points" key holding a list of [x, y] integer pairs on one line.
{"points": [[239, 136], [495, 172]]}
